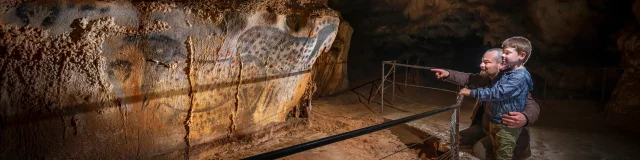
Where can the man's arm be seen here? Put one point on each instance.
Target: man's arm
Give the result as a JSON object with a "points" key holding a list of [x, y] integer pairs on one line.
{"points": [[531, 110], [470, 80], [524, 118]]}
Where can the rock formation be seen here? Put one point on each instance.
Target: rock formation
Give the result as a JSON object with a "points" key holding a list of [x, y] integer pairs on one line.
{"points": [[136, 79], [330, 69], [623, 110]]}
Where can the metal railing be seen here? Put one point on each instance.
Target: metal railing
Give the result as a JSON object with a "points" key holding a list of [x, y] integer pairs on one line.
{"points": [[454, 128], [336, 138]]}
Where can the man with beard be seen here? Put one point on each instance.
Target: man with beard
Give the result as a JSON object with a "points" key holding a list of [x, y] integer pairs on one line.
{"points": [[477, 132]]}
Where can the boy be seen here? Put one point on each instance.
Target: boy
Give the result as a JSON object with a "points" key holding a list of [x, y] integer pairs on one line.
{"points": [[508, 94]]}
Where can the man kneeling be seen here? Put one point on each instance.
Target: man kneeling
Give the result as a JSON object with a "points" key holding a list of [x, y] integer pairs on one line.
{"points": [[477, 132]]}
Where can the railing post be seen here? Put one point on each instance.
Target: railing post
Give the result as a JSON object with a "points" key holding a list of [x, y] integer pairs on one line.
{"points": [[455, 126], [393, 84], [382, 89], [406, 73]]}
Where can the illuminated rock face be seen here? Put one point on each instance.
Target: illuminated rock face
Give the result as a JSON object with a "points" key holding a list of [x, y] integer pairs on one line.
{"points": [[131, 79], [330, 69]]}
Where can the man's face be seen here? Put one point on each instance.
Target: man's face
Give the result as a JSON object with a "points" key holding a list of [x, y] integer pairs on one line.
{"points": [[490, 65], [511, 57]]}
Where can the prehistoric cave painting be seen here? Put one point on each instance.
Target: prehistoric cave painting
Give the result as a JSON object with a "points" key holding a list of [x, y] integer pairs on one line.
{"points": [[159, 48], [155, 59], [267, 51], [38, 15], [280, 52], [56, 16]]}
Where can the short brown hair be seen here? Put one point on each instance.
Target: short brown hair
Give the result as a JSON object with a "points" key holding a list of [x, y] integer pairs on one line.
{"points": [[521, 44]]}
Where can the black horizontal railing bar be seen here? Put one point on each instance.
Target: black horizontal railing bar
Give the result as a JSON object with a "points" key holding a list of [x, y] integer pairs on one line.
{"points": [[340, 137]]}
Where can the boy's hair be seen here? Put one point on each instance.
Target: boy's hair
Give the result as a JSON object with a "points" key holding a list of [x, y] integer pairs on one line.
{"points": [[521, 44]]}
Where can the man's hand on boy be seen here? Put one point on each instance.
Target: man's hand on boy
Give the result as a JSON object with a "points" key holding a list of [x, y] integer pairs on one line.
{"points": [[514, 119], [465, 92], [441, 73]]}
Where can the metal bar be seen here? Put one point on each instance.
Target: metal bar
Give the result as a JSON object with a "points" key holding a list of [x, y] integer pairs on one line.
{"points": [[384, 78], [385, 99], [378, 93], [340, 137], [455, 129], [406, 74], [407, 65], [393, 86], [452, 135], [399, 89], [373, 85], [456, 112], [430, 88]]}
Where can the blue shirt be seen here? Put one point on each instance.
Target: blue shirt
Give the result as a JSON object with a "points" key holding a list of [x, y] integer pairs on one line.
{"points": [[508, 94]]}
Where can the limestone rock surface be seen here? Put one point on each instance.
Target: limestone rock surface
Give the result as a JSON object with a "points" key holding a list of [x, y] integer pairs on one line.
{"points": [[330, 69], [131, 79]]}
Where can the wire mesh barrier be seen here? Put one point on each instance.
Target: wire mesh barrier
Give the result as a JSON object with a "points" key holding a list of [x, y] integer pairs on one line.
{"points": [[453, 129]]}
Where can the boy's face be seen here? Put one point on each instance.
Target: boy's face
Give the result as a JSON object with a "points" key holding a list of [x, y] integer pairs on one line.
{"points": [[511, 57]]}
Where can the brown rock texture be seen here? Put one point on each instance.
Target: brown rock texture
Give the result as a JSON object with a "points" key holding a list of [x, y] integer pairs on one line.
{"points": [[125, 80], [623, 110], [549, 23], [330, 69]]}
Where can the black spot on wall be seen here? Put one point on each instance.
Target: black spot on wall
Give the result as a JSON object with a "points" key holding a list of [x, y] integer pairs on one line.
{"points": [[121, 65], [130, 39], [87, 8], [159, 48], [165, 49], [270, 18], [55, 12], [23, 12], [3, 51], [104, 10]]}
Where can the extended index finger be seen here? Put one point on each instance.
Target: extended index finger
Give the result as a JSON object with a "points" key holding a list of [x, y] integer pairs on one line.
{"points": [[437, 70]]}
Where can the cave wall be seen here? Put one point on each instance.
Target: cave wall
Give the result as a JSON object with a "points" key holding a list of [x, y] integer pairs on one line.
{"points": [[623, 110], [139, 79], [553, 26], [330, 69]]}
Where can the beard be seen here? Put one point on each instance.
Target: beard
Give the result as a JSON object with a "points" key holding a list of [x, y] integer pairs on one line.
{"points": [[484, 73]]}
